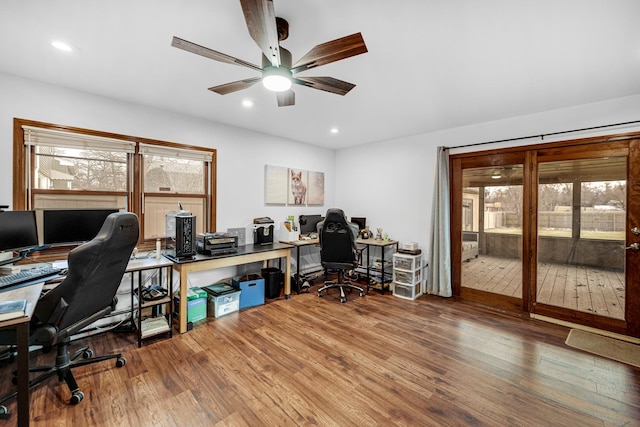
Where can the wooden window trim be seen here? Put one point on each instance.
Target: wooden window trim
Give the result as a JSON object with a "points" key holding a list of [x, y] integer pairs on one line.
{"points": [[21, 198]]}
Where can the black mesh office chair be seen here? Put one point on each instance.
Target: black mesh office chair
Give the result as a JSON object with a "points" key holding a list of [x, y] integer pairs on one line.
{"points": [[338, 251], [87, 294]]}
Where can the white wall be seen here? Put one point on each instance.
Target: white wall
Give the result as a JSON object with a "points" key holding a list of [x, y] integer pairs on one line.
{"points": [[242, 154], [391, 183]]}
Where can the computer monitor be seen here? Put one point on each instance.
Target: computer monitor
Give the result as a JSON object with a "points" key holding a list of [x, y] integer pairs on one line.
{"points": [[72, 226], [309, 223], [360, 221], [18, 230]]}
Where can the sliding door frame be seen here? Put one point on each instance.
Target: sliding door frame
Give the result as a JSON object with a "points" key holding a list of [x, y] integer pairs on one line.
{"points": [[530, 157]]}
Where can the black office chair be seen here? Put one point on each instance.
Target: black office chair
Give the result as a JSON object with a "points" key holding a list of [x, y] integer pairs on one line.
{"points": [[88, 293], [338, 251]]}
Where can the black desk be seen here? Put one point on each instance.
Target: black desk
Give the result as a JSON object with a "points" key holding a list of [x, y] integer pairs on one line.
{"points": [[245, 255]]}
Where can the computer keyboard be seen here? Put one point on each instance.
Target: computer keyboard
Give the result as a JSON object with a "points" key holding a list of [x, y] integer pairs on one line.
{"points": [[28, 275]]}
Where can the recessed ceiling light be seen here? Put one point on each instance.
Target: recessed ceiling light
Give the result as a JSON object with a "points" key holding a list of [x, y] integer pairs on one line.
{"points": [[247, 103], [334, 130], [60, 45]]}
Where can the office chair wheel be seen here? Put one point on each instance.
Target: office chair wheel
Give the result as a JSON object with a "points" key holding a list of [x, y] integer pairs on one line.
{"points": [[343, 299], [3, 412], [319, 294], [87, 353], [361, 293], [76, 398], [120, 362]]}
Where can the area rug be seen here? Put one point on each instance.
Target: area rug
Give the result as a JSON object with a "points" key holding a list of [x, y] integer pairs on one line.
{"points": [[610, 348]]}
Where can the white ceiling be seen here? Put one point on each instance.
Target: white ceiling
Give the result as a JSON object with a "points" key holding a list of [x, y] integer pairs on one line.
{"points": [[431, 65]]}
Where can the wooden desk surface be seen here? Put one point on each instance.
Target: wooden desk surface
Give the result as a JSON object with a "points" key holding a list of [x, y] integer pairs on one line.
{"points": [[31, 293], [21, 324], [374, 242], [303, 242]]}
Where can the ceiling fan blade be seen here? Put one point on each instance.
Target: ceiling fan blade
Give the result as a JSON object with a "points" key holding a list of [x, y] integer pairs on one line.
{"points": [[260, 17], [328, 84], [210, 53], [331, 51], [286, 98], [235, 86]]}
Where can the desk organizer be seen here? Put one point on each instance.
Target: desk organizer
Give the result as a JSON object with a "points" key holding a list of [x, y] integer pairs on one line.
{"points": [[251, 289]]}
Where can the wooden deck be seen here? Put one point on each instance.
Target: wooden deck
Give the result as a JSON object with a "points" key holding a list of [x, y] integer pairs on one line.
{"points": [[574, 287]]}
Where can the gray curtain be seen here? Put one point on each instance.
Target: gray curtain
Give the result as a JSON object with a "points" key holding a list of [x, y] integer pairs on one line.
{"points": [[439, 282]]}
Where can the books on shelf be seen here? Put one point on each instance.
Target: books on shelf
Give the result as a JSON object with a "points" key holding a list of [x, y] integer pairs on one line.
{"points": [[154, 325], [12, 309]]}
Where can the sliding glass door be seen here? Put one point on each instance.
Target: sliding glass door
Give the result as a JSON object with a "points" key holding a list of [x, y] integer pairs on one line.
{"points": [[581, 235], [552, 231], [490, 237]]}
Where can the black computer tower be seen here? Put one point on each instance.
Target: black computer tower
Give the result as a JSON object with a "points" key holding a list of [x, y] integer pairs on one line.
{"points": [[181, 234]]}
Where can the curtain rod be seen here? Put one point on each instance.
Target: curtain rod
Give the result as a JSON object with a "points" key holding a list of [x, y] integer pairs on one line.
{"points": [[541, 136]]}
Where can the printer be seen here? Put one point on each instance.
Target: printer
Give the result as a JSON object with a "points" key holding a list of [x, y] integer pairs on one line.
{"points": [[216, 243], [263, 231]]}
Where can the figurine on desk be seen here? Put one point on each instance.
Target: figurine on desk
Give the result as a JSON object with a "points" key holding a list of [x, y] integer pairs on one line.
{"points": [[379, 234], [366, 233]]}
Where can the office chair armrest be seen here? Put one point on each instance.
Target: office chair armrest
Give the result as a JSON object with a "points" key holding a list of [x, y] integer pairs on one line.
{"points": [[72, 329]]}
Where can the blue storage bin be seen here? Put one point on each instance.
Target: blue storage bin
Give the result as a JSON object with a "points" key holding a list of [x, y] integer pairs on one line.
{"points": [[252, 289]]}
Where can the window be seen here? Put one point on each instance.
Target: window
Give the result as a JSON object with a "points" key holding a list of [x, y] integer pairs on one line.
{"points": [[70, 168]]}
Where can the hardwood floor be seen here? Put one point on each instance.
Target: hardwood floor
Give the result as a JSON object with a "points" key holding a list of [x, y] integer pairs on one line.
{"points": [[375, 360], [579, 288]]}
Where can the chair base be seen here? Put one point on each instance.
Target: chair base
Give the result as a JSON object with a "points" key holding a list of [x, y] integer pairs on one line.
{"points": [[63, 369], [341, 284]]}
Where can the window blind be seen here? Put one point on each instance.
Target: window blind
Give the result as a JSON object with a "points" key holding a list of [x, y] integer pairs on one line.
{"points": [[34, 136], [179, 153]]}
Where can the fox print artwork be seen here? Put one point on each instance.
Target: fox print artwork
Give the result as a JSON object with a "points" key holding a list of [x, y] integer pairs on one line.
{"points": [[298, 189]]}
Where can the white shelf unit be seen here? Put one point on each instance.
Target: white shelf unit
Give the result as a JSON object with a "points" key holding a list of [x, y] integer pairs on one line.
{"points": [[407, 275]]}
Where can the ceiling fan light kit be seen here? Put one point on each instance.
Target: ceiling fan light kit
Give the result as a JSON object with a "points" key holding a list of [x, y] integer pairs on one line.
{"points": [[276, 79], [267, 31]]}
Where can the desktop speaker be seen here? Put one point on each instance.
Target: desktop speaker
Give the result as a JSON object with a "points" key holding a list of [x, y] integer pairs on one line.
{"points": [[181, 234]]}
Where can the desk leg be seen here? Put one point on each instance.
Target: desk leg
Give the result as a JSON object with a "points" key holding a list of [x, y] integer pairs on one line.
{"points": [[182, 315], [368, 278], [287, 277], [22, 332], [382, 248]]}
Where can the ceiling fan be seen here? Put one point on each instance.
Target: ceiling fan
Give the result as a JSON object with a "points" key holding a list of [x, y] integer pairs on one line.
{"points": [[267, 31]]}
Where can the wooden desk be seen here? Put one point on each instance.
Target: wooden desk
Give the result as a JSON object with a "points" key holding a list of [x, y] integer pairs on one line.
{"points": [[31, 293], [383, 244], [245, 255], [297, 244]]}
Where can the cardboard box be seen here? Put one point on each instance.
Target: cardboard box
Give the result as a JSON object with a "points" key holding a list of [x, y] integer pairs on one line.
{"points": [[252, 289]]}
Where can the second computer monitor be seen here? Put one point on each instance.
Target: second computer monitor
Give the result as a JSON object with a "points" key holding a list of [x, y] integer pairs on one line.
{"points": [[72, 226], [360, 221], [309, 223]]}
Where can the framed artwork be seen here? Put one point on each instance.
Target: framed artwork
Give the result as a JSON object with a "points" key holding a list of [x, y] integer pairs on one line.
{"points": [[297, 187], [275, 185], [293, 187], [315, 195]]}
